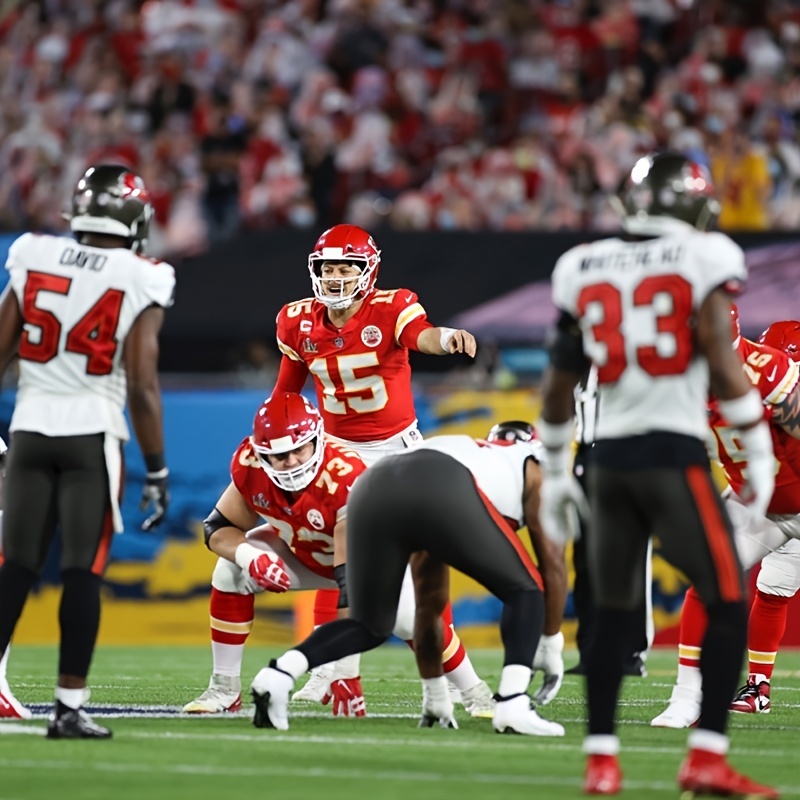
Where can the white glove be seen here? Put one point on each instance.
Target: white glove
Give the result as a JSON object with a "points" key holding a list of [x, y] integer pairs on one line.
{"points": [[264, 571], [549, 659], [437, 707], [561, 503], [761, 468]]}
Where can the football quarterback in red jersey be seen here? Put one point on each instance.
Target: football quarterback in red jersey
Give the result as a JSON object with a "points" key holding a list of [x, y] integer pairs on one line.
{"points": [[280, 526], [354, 340], [771, 366]]}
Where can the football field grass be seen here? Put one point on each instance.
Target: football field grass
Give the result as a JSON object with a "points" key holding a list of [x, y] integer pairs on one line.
{"points": [[383, 756]]}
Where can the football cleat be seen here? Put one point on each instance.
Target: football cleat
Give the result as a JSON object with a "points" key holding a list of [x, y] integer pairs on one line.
{"points": [[10, 707], [270, 690], [753, 697], [706, 774], [317, 685], [224, 694], [478, 701], [683, 710], [515, 714], [74, 723], [603, 775]]}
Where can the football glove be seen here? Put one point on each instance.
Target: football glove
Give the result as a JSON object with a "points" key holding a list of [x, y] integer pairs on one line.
{"points": [[345, 689], [264, 571], [562, 503], [549, 660], [437, 709], [155, 493], [761, 468], [347, 696]]}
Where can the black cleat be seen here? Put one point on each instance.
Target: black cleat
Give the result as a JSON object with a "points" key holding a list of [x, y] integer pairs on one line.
{"points": [[74, 723]]}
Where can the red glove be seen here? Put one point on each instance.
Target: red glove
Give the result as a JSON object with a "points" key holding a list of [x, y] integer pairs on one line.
{"points": [[347, 696], [264, 570]]}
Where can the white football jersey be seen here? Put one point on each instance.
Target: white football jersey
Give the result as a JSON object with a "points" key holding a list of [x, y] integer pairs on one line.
{"points": [[498, 468], [78, 304], [636, 304]]}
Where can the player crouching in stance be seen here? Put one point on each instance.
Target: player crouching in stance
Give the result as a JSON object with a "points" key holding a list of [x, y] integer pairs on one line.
{"points": [[287, 475], [445, 502]]}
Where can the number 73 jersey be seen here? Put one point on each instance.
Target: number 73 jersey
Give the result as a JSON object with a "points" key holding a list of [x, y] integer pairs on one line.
{"points": [[78, 304], [636, 304], [306, 520], [361, 371]]}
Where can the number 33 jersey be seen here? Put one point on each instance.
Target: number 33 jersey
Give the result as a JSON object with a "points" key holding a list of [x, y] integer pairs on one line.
{"points": [[636, 304], [361, 372], [78, 304], [305, 522]]}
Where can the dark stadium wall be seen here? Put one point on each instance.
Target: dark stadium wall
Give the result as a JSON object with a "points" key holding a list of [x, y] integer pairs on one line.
{"points": [[232, 293]]}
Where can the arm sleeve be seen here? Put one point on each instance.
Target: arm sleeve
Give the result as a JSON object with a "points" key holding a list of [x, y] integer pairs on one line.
{"points": [[291, 375], [412, 319]]}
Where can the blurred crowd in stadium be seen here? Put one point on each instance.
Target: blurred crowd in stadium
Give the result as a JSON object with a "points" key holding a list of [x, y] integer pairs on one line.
{"points": [[415, 114]]}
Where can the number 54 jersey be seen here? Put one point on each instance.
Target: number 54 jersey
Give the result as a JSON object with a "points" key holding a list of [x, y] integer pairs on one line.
{"points": [[361, 371], [636, 304], [78, 304]]}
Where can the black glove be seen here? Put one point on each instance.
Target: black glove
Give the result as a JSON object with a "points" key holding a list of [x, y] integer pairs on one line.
{"points": [[155, 492]]}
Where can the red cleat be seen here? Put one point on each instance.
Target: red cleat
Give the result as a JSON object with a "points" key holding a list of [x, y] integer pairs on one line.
{"points": [[753, 697], [10, 707], [603, 775], [707, 774]]}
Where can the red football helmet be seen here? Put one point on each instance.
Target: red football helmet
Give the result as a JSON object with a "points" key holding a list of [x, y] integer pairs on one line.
{"points": [[344, 243], [735, 329], [785, 336], [285, 422]]}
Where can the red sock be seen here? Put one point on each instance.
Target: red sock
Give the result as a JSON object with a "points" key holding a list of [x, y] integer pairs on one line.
{"points": [[693, 628], [325, 602], [231, 616], [765, 630]]}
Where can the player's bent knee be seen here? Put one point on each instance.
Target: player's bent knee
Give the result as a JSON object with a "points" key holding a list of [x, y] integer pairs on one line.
{"points": [[227, 577]]}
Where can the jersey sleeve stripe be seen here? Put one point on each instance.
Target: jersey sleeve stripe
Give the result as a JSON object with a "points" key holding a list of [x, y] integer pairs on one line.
{"points": [[788, 383], [406, 316], [287, 351]]}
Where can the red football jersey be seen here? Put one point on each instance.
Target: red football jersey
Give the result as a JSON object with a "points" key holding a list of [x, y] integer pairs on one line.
{"points": [[361, 371], [775, 375], [305, 523]]}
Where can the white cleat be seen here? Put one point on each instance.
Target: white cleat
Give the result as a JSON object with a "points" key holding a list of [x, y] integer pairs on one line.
{"points": [[224, 694], [10, 707], [683, 710], [270, 690], [478, 701], [316, 686], [436, 710], [515, 715]]}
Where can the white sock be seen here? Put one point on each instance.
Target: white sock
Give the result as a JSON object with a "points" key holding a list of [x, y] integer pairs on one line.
{"points": [[711, 741], [464, 677], [293, 662], [514, 679], [72, 698], [690, 677], [227, 659], [3, 662], [601, 745]]}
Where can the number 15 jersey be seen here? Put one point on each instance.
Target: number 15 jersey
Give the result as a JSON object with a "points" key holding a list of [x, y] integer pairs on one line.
{"points": [[361, 372], [636, 304], [78, 304]]}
